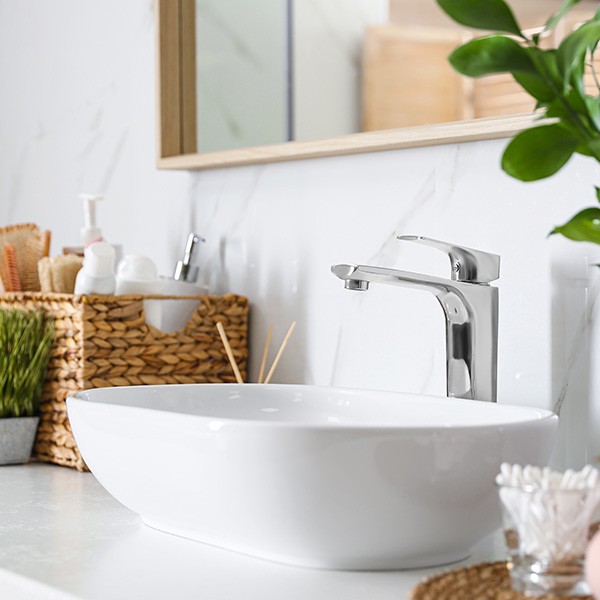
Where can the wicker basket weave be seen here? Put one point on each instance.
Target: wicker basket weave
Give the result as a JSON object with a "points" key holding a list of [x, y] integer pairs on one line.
{"points": [[103, 341]]}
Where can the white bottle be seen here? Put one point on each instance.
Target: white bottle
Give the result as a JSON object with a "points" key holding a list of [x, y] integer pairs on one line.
{"points": [[97, 274]]}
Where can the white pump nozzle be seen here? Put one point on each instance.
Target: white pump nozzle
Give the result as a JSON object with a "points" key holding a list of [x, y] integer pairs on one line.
{"points": [[90, 232]]}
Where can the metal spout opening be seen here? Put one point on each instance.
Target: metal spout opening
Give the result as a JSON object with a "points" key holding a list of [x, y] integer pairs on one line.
{"points": [[356, 285]]}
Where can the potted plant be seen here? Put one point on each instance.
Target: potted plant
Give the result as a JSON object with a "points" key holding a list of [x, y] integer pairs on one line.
{"points": [[554, 77], [25, 343]]}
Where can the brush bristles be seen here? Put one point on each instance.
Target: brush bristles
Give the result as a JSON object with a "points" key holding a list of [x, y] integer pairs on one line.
{"points": [[13, 279]]}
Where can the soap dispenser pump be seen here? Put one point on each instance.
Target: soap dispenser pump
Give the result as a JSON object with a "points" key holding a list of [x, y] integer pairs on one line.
{"points": [[90, 232], [184, 269]]}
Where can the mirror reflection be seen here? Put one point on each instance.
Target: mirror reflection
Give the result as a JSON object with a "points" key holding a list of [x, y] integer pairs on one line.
{"points": [[243, 73], [272, 71]]}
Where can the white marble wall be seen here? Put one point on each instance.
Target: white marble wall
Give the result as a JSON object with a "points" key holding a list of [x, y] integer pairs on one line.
{"points": [[77, 114]]}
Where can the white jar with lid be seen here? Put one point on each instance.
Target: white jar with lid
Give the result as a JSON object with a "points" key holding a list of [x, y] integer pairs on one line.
{"points": [[137, 274]]}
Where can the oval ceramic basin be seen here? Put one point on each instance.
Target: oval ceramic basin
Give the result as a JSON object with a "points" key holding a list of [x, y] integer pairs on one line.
{"points": [[319, 477]]}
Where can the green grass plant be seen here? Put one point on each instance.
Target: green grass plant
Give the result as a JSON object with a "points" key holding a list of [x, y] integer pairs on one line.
{"points": [[25, 344]]}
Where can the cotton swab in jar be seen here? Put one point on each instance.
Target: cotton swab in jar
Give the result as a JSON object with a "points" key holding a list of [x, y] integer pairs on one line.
{"points": [[280, 352], [263, 362], [228, 350], [551, 510]]}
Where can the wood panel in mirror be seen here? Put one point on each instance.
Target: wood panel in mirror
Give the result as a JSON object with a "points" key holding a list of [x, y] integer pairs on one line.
{"points": [[177, 145]]}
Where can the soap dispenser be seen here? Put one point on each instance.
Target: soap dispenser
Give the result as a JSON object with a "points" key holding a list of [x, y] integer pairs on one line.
{"points": [[90, 232], [183, 282], [176, 313], [184, 269]]}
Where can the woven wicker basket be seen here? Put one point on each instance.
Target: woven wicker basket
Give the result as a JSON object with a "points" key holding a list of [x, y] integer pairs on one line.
{"points": [[103, 341]]}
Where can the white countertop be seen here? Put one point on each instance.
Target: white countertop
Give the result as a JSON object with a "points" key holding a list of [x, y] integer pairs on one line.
{"points": [[62, 536]]}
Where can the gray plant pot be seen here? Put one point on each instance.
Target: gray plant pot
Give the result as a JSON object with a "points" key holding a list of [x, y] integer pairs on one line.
{"points": [[16, 439]]}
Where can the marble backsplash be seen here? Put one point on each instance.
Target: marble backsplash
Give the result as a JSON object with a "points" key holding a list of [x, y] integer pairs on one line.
{"points": [[78, 117]]}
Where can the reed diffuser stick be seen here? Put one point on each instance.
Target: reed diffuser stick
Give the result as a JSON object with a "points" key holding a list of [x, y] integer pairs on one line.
{"points": [[263, 362], [280, 352], [234, 366]]}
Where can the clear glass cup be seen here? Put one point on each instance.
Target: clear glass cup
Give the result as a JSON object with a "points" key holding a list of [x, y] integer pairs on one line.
{"points": [[546, 534]]}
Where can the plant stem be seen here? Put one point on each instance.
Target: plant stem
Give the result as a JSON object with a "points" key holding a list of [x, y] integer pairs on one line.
{"points": [[575, 118]]}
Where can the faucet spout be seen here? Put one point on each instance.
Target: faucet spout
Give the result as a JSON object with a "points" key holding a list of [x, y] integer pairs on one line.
{"points": [[471, 314], [369, 274]]}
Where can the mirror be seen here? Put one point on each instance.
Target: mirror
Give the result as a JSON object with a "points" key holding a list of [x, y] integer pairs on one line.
{"points": [[271, 80]]}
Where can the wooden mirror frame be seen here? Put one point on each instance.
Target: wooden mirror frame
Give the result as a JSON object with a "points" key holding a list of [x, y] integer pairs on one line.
{"points": [[176, 46]]}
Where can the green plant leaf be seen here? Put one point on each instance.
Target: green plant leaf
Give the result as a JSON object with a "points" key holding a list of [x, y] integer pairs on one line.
{"points": [[567, 5], [593, 109], [539, 152], [558, 109], [492, 54], [573, 49], [594, 147], [494, 15], [536, 87], [583, 227], [583, 150]]}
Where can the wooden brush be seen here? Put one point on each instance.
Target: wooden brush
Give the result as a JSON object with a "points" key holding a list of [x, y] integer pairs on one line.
{"points": [[27, 242], [28, 254], [13, 279], [46, 239]]}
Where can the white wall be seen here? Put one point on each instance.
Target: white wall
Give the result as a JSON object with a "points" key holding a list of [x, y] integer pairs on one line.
{"points": [[77, 114]]}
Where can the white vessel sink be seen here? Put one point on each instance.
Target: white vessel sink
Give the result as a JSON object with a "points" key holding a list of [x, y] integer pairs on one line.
{"points": [[319, 477]]}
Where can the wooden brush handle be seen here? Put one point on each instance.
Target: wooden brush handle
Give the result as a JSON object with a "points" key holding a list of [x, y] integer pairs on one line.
{"points": [[12, 269], [46, 238]]}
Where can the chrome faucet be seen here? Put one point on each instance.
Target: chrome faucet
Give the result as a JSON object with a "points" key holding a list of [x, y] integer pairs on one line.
{"points": [[470, 306]]}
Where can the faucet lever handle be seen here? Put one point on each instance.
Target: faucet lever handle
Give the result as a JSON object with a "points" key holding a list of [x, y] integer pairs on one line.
{"points": [[468, 265]]}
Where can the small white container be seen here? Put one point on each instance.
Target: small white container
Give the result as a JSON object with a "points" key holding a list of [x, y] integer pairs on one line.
{"points": [[137, 274], [97, 274]]}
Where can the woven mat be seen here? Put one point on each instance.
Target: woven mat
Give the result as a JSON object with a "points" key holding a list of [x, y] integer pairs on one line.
{"points": [[478, 582]]}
